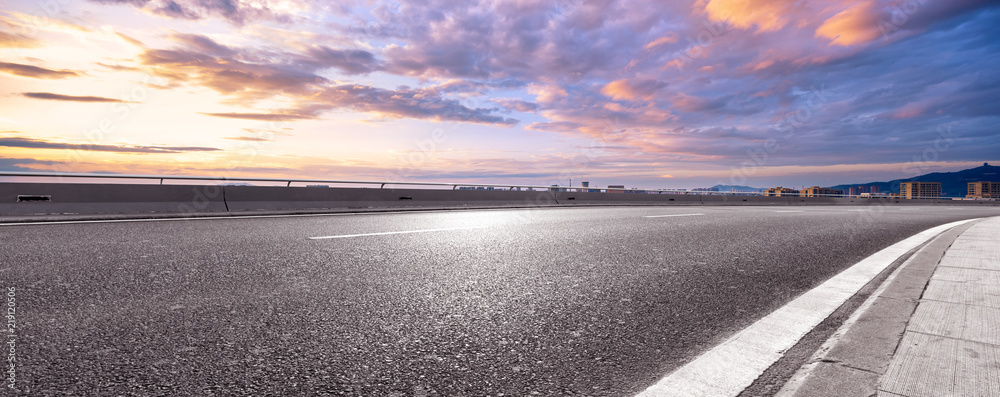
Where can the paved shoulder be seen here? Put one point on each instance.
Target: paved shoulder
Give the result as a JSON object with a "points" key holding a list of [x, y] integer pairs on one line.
{"points": [[730, 367], [930, 330], [952, 344]]}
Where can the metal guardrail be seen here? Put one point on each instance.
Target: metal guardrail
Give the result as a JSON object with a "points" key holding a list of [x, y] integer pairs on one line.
{"points": [[287, 181], [454, 186]]}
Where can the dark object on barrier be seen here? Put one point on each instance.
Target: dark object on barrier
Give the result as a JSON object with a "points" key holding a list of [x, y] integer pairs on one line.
{"points": [[23, 198]]}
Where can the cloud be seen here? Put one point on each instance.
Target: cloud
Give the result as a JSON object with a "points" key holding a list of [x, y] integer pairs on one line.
{"points": [[516, 104], [670, 38], [421, 104], [631, 90], [250, 74], [237, 12], [173, 9], [130, 39], [404, 102], [58, 97], [44, 144], [231, 75], [539, 42], [37, 72], [350, 62], [547, 93], [765, 15], [119, 68], [203, 44], [263, 116], [856, 25], [18, 164], [248, 139], [594, 70], [10, 40]]}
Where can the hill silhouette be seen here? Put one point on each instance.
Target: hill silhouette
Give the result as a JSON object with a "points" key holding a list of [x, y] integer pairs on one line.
{"points": [[953, 184]]}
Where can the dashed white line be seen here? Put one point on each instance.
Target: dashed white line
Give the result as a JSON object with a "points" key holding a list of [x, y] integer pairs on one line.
{"points": [[664, 216], [401, 232]]}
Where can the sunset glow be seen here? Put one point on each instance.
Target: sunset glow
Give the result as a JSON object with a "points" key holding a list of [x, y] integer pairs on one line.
{"points": [[649, 94]]}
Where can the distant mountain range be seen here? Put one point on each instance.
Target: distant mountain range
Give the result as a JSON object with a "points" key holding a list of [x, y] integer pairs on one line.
{"points": [[953, 184], [736, 188]]}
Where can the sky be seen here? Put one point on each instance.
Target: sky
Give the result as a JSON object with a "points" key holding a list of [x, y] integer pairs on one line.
{"points": [[668, 94]]}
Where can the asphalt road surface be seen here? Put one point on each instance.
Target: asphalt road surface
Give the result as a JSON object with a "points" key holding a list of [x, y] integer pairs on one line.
{"points": [[561, 301]]}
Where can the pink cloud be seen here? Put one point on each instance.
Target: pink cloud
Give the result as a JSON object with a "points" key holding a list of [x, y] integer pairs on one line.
{"points": [[765, 15], [631, 90], [858, 24], [669, 38]]}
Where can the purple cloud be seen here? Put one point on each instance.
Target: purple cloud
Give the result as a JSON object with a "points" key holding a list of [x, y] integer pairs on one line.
{"points": [[70, 98], [37, 72], [45, 144]]}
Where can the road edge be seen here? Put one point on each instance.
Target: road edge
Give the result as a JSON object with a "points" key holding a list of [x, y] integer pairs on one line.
{"points": [[733, 365], [852, 361]]}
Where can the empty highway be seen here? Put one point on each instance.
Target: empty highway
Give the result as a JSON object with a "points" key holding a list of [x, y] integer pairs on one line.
{"points": [[600, 301]]}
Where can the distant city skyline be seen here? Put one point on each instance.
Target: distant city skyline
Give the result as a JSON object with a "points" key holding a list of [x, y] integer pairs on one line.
{"points": [[682, 94]]}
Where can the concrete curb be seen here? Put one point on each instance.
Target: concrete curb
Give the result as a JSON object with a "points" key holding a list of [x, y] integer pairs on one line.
{"points": [[854, 358]]}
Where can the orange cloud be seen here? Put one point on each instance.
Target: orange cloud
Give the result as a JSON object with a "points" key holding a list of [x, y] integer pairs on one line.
{"points": [[766, 15], [669, 38], [855, 25], [619, 89], [631, 90], [547, 93], [763, 64]]}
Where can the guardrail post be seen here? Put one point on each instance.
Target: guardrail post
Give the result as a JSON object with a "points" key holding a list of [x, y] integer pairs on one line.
{"points": [[382, 187], [161, 181], [289, 184]]}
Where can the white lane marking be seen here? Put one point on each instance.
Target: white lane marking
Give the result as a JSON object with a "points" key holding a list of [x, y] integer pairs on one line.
{"points": [[798, 380], [791, 211], [664, 216], [733, 365], [402, 232]]}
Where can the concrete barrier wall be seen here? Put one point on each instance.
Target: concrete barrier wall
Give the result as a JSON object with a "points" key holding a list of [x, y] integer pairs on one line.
{"points": [[244, 198], [68, 198], [122, 199]]}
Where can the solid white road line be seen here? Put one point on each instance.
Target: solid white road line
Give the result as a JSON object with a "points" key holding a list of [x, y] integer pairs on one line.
{"points": [[664, 216], [791, 211], [733, 365], [402, 232], [798, 380]]}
